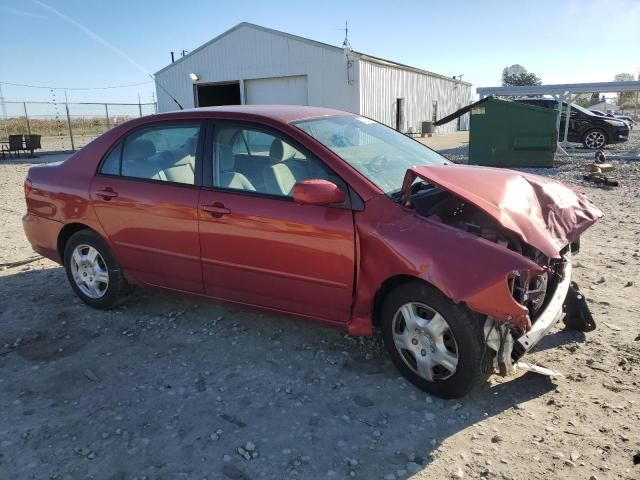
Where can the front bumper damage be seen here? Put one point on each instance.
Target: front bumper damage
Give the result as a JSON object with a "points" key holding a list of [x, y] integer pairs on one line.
{"points": [[509, 349], [537, 220]]}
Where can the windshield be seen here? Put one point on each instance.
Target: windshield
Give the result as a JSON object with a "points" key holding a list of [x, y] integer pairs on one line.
{"points": [[376, 151]]}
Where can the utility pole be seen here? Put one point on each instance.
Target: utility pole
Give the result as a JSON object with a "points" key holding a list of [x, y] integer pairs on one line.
{"points": [[637, 94], [66, 106], [3, 106]]}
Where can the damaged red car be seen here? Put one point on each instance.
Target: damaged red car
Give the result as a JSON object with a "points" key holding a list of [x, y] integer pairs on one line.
{"points": [[324, 215]]}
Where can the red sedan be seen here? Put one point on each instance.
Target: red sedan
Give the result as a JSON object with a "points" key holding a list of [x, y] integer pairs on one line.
{"points": [[324, 215]]}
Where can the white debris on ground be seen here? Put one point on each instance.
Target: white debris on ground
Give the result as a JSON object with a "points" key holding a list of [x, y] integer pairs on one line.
{"points": [[172, 387]]}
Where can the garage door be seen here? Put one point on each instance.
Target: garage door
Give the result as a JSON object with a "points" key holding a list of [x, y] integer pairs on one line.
{"points": [[277, 91]]}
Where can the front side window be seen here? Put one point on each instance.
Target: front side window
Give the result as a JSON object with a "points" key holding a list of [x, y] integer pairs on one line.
{"points": [[253, 160], [163, 153], [379, 153], [111, 164]]}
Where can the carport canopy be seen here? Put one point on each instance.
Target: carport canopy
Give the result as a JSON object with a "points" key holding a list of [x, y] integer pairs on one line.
{"points": [[561, 92]]}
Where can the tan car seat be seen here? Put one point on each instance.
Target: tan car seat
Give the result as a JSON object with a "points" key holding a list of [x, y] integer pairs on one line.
{"points": [[229, 178], [282, 175]]}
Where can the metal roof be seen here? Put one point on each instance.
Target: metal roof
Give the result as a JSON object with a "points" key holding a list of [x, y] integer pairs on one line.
{"points": [[560, 89], [364, 56]]}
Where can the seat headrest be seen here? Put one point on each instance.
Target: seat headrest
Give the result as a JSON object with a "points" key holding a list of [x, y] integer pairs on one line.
{"points": [[141, 148], [281, 151], [226, 159], [352, 134], [190, 145]]}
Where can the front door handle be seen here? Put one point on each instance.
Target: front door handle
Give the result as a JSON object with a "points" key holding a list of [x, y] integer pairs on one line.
{"points": [[107, 193], [216, 210]]}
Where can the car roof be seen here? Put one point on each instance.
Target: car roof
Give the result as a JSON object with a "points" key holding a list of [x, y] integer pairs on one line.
{"points": [[282, 113]]}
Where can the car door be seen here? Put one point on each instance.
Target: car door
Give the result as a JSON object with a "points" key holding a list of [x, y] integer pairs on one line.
{"points": [[258, 246], [145, 196]]}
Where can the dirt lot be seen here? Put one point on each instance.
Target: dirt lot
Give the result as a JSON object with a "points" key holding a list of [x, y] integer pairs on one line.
{"points": [[172, 388]]}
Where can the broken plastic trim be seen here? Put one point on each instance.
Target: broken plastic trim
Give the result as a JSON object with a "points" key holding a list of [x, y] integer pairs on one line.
{"points": [[551, 315], [498, 334], [498, 337]]}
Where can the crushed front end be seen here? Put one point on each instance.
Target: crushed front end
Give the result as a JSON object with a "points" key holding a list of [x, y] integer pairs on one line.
{"points": [[543, 295], [537, 218]]}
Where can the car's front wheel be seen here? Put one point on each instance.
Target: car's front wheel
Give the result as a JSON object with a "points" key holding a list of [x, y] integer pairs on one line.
{"points": [[594, 139], [437, 345], [92, 270]]}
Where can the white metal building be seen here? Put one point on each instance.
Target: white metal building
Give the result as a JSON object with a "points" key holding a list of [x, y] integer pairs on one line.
{"points": [[250, 64]]}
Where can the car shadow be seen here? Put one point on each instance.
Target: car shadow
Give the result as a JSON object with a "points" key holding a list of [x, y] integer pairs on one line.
{"points": [[173, 370], [560, 338]]}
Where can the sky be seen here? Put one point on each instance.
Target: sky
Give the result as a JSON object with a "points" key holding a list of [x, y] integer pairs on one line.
{"points": [[96, 44]]}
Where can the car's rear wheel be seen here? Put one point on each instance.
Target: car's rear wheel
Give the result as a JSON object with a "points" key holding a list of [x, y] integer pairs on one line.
{"points": [[594, 139], [437, 345], [92, 270]]}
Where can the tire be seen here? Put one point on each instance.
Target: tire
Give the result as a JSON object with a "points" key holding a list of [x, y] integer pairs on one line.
{"points": [[595, 139], [86, 270], [462, 337]]}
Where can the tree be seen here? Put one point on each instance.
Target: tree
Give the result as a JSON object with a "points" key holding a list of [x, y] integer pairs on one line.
{"points": [[584, 100], [516, 75], [625, 98], [587, 100]]}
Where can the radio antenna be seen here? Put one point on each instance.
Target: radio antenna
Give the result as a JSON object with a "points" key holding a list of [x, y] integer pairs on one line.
{"points": [[166, 91], [346, 46]]}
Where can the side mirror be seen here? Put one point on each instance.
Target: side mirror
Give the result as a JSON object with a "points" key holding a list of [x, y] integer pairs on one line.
{"points": [[316, 191]]}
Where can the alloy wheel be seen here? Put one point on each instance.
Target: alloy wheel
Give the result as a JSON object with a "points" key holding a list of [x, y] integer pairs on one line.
{"points": [[595, 139], [89, 271], [425, 341]]}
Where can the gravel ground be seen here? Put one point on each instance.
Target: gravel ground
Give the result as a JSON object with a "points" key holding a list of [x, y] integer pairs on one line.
{"points": [[168, 387]]}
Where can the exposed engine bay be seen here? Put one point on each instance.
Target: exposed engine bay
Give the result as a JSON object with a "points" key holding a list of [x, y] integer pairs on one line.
{"points": [[530, 290], [538, 220]]}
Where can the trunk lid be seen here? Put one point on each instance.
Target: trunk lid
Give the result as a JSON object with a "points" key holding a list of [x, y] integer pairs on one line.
{"points": [[545, 213]]}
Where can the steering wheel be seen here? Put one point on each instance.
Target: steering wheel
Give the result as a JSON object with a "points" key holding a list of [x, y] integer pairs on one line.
{"points": [[378, 163], [340, 140]]}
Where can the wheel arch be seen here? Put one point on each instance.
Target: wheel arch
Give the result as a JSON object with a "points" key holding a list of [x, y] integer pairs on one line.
{"points": [[65, 234], [385, 288]]}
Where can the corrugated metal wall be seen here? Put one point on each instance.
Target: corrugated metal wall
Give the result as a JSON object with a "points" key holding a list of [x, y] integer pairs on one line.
{"points": [[381, 85], [249, 53]]}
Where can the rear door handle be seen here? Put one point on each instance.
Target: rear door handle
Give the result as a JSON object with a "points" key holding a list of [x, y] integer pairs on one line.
{"points": [[107, 193], [216, 210]]}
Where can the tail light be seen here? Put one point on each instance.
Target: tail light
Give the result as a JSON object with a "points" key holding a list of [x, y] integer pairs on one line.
{"points": [[28, 186]]}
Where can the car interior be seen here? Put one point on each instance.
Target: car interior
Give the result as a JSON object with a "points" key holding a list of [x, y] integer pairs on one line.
{"points": [[246, 160], [261, 163], [142, 159]]}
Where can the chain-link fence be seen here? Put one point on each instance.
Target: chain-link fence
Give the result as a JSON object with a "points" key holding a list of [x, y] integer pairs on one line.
{"points": [[66, 126]]}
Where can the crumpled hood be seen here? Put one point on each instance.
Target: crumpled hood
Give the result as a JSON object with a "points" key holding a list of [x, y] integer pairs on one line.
{"points": [[545, 213]]}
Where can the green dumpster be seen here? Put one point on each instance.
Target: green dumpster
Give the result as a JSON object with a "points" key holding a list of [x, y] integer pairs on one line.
{"points": [[509, 134]]}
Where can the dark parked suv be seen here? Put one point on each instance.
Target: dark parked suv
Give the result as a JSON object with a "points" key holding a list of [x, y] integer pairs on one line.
{"points": [[585, 126]]}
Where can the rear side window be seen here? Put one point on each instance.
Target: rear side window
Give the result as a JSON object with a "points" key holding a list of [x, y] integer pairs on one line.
{"points": [[165, 153]]}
